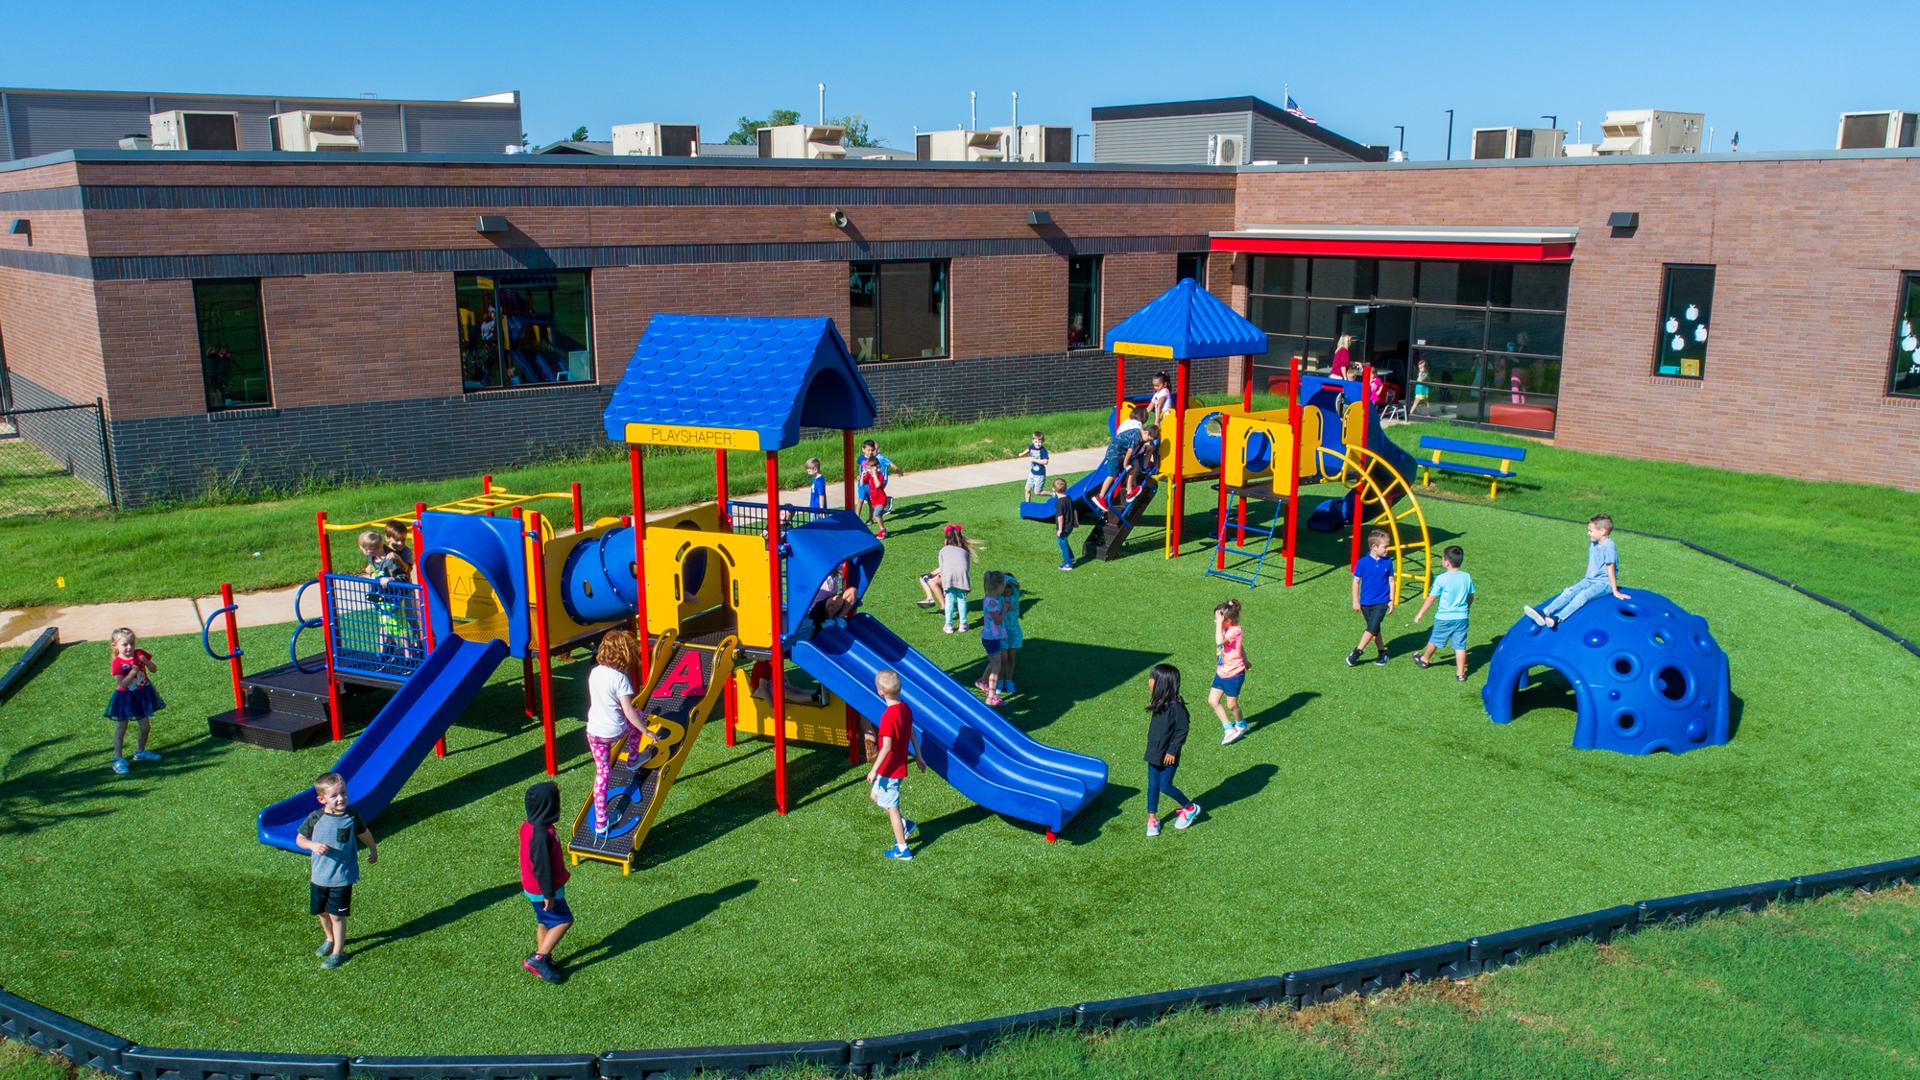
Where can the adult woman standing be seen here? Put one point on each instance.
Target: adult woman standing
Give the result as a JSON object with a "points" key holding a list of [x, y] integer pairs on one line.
{"points": [[1340, 356]]}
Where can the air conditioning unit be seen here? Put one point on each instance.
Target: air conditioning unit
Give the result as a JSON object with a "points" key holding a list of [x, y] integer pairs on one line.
{"points": [[1650, 131], [815, 141], [1516, 142], [960, 145], [312, 130], [1226, 149], [1038, 142], [657, 140], [179, 129], [1884, 129]]}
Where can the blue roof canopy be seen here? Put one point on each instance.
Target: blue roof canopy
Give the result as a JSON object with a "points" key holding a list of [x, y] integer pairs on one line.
{"points": [[1186, 323], [747, 384]]}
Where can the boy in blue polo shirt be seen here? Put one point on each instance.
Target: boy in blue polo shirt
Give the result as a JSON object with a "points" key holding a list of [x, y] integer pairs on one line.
{"points": [[1453, 591], [1373, 595]]}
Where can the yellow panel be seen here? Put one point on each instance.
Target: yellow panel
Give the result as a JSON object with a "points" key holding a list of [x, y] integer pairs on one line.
{"points": [[469, 596], [737, 563], [1240, 429], [675, 435], [823, 725], [1131, 348]]}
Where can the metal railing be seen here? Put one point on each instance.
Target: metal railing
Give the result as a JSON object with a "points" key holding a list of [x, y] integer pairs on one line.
{"points": [[55, 458], [377, 628]]}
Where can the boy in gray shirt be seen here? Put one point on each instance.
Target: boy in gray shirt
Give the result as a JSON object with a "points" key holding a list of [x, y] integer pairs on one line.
{"points": [[334, 835]]}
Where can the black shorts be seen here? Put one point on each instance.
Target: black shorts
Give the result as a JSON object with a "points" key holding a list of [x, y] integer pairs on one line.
{"points": [[335, 900], [1373, 613]]}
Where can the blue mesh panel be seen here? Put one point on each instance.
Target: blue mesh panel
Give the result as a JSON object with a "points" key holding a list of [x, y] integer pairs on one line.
{"points": [[377, 629]]}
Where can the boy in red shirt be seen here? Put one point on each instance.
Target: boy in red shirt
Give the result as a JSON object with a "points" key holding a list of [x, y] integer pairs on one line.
{"points": [[890, 761], [543, 878], [873, 478]]}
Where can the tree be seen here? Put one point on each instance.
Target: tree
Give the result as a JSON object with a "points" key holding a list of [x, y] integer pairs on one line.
{"points": [[579, 134], [744, 133], [858, 133]]}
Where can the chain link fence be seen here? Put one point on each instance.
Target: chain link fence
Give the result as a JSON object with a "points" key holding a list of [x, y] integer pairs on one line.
{"points": [[55, 458]]}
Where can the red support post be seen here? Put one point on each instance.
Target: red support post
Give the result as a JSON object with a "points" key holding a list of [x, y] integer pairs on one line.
{"points": [[732, 705], [536, 555], [526, 687], [636, 474], [1359, 503], [426, 609], [486, 487], [1246, 384], [233, 645], [1293, 466], [846, 466], [1119, 387], [1220, 515], [1241, 503], [579, 519], [720, 485], [1176, 499], [326, 625], [779, 686], [856, 738]]}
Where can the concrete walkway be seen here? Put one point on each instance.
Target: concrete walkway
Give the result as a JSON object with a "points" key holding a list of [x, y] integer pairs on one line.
{"points": [[186, 615]]}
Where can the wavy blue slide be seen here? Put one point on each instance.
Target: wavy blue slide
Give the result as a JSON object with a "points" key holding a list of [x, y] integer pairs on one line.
{"points": [[969, 745], [391, 747]]}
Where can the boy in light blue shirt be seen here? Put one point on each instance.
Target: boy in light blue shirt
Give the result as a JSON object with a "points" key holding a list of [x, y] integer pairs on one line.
{"points": [[1603, 576], [1453, 591]]}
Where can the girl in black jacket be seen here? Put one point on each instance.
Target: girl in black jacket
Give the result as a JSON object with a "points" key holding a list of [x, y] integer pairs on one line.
{"points": [[1166, 734]]}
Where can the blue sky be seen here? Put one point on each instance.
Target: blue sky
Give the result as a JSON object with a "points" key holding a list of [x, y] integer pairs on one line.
{"points": [[1779, 74]]}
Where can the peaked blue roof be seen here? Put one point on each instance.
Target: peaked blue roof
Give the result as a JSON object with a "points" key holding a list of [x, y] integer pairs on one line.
{"points": [[770, 376], [1190, 322]]}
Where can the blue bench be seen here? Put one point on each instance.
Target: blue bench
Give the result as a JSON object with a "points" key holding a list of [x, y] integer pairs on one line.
{"points": [[1440, 444]]}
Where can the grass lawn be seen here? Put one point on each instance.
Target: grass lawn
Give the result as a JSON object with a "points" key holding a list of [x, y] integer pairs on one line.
{"points": [[33, 484], [1851, 542], [1369, 810]]}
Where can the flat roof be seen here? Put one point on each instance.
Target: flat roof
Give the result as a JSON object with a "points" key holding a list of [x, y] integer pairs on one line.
{"points": [[505, 98]]}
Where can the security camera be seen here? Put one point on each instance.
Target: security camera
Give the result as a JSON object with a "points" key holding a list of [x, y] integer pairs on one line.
{"points": [[838, 217]]}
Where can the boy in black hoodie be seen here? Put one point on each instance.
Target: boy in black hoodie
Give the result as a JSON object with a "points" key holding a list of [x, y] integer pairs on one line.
{"points": [[1166, 735], [543, 877]]}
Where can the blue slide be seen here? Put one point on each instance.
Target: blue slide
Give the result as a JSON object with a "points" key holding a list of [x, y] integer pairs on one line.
{"points": [[391, 747], [1042, 509], [969, 745]]}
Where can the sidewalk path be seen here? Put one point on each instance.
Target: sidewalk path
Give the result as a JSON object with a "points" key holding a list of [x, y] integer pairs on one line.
{"points": [[186, 615]]}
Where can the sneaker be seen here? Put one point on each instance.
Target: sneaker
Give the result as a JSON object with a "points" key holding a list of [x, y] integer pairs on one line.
{"points": [[541, 966], [1186, 817], [325, 950], [963, 627], [146, 755], [899, 854], [1006, 687], [120, 766], [880, 535], [1353, 658], [980, 685], [1153, 826], [908, 826], [1066, 566], [1419, 661], [1532, 613], [1553, 622], [333, 960], [1459, 678], [994, 701], [1381, 660], [600, 829], [947, 628], [1100, 503], [928, 604], [1230, 734]]}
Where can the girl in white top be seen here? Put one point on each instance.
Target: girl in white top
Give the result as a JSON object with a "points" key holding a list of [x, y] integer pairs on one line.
{"points": [[1162, 401], [611, 717]]}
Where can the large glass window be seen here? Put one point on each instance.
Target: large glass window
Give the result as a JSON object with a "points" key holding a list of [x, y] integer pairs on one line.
{"points": [[233, 344], [1905, 377], [1192, 264], [1686, 306], [1083, 302], [524, 328], [899, 309]]}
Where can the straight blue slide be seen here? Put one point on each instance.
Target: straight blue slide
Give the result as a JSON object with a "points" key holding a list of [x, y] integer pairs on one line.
{"points": [[969, 745], [398, 739]]}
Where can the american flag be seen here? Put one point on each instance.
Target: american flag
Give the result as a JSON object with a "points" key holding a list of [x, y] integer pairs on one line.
{"points": [[1293, 107]]}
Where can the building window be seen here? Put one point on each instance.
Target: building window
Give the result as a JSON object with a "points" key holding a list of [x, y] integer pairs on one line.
{"points": [[233, 344], [1905, 376], [1686, 306], [1193, 264], [898, 309], [523, 328], [1083, 302]]}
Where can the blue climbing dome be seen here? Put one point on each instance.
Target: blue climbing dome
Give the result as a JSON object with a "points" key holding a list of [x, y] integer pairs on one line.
{"points": [[1647, 675]]}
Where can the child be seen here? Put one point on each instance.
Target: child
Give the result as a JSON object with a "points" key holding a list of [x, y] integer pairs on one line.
{"points": [[930, 590], [1166, 734], [543, 878], [1145, 461], [1421, 391], [611, 717], [1229, 671], [1453, 590], [1126, 436], [873, 482], [890, 761], [1064, 519], [816, 485], [1373, 595], [1036, 452], [1010, 651], [1161, 403], [392, 607], [395, 536], [334, 835], [1603, 575], [760, 685], [134, 698], [956, 575], [870, 452], [993, 634]]}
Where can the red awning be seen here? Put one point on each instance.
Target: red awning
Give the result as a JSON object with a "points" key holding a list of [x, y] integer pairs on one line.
{"points": [[1490, 244]]}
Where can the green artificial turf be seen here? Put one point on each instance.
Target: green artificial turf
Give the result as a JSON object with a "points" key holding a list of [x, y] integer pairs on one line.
{"points": [[1369, 810], [1850, 542]]}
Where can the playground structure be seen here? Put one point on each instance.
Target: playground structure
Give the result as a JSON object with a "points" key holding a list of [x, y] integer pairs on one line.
{"points": [[1647, 675]]}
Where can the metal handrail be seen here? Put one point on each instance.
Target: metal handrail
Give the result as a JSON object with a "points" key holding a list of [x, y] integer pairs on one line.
{"points": [[293, 643], [206, 635]]}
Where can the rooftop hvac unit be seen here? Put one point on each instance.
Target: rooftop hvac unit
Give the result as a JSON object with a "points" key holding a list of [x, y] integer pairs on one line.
{"points": [[1884, 129], [1038, 143], [816, 141], [1650, 131], [1516, 142], [1226, 149], [960, 145], [310, 130], [657, 140], [179, 129]]}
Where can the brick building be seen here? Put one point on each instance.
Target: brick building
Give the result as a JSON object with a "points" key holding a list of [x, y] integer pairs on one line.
{"points": [[276, 316]]}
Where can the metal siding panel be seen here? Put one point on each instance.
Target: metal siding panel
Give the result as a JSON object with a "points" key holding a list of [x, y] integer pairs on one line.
{"points": [[1164, 140], [50, 123], [456, 129], [1277, 142], [379, 123]]}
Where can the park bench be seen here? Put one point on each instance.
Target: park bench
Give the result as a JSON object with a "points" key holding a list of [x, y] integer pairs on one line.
{"points": [[1439, 444]]}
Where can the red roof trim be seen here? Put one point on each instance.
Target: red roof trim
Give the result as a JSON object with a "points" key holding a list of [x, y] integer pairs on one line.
{"points": [[1399, 249]]}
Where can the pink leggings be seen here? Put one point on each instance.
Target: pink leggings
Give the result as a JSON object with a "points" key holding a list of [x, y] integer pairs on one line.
{"points": [[604, 752]]}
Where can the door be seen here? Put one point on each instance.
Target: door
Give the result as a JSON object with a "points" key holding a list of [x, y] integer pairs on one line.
{"points": [[1389, 331]]}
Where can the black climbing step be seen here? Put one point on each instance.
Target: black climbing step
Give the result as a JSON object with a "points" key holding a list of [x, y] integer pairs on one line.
{"points": [[269, 729], [1109, 533], [632, 788]]}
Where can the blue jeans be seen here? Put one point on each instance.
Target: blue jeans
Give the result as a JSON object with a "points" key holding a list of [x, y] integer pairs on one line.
{"points": [[1574, 597], [1066, 550], [956, 610], [1159, 779]]}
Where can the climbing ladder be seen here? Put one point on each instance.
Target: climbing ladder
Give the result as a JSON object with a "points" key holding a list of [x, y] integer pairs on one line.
{"points": [[1267, 533]]}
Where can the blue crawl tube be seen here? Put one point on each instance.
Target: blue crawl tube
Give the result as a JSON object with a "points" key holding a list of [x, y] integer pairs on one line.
{"points": [[1206, 445]]}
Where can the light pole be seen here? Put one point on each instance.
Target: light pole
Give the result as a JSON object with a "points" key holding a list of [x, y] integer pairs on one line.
{"points": [[1402, 139], [1076, 144], [1449, 134], [1552, 119]]}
